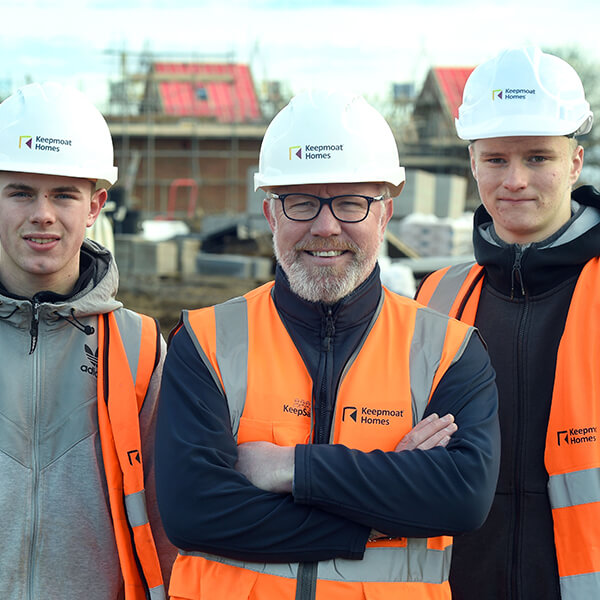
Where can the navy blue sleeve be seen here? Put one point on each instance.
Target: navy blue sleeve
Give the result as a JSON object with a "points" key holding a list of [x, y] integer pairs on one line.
{"points": [[205, 504], [417, 493]]}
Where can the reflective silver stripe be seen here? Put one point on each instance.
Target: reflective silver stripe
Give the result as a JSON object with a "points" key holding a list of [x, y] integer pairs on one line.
{"points": [[158, 593], [416, 563], [571, 489], [425, 357], [201, 353], [137, 514], [578, 587], [231, 324], [231, 320], [135, 504], [445, 293], [130, 328]]}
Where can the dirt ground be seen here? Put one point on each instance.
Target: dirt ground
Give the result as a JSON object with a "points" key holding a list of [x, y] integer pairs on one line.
{"points": [[164, 297]]}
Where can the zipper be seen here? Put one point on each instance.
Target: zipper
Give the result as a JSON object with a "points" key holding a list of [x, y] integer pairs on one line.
{"points": [[516, 273], [520, 447], [329, 330], [306, 578], [35, 452], [34, 326], [326, 347], [307, 572]]}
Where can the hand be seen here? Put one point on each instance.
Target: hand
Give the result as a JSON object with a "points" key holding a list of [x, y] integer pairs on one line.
{"points": [[377, 535], [429, 433], [267, 466]]}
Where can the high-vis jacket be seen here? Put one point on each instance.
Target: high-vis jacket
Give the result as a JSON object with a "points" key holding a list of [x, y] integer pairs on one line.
{"points": [[572, 444], [388, 382], [128, 353], [572, 456], [79, 382]]}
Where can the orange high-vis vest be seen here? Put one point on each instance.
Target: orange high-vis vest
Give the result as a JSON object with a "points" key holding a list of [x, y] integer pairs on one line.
{"points": [[255, 363], [128, 352], [572, 455]]}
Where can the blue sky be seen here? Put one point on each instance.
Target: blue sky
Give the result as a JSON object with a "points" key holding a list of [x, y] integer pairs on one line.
{"points": [[363, 45]]}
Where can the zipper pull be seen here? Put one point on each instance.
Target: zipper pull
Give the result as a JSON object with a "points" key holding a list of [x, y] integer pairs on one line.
{"points": [[329, 329], [516, 272], [34, 326]]}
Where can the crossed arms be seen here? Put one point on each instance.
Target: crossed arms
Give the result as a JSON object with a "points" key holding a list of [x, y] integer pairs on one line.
{"points": [[216, 497]]}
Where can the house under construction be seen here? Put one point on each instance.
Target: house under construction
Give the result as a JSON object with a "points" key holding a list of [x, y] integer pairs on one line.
{"points": [[186, 139], [187, 135]]}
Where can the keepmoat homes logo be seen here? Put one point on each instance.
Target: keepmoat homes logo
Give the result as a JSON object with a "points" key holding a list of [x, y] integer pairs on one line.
{"points": [[314, 152], [574, 436], [512, 94], [299, 407], [371, 416], [43, 144]]}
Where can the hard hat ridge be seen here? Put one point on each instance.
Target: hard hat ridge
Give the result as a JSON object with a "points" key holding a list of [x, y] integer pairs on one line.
{"points": [[523, 92]]}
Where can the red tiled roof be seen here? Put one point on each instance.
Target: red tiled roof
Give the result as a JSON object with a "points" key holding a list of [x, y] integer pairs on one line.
{"points": [[229, 97], [451, 81]]}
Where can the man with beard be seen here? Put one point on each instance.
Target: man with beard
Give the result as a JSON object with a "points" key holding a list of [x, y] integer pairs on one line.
{"points": [[322, 437]]}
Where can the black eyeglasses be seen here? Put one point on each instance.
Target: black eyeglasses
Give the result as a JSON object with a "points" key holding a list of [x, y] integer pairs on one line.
{"points": [[306, 207]]}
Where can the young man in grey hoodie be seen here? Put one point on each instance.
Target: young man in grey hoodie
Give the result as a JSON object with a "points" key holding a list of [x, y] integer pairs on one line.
{"points": [[79, 374]]}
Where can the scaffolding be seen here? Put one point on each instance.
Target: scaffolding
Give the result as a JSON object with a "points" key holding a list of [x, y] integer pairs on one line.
{"points": [[155, 149]]}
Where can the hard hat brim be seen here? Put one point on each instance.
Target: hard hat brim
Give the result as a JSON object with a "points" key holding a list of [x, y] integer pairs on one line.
{"points": [[526, 126], [394, 180], [107, 179]]}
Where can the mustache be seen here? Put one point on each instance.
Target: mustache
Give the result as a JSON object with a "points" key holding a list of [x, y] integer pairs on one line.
{"points": [[318, 246]]}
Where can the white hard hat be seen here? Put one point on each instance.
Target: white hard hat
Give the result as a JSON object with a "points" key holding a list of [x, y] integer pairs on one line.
{"points": [[329, 137], [55, 130], [523, 92]]}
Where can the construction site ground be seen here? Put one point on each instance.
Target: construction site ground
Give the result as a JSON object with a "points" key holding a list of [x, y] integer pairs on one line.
{"points": [[164, 297]]}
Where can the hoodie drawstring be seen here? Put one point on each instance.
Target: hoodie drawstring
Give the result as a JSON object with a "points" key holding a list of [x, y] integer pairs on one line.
{"points": [[87, 329], [11, 314]]}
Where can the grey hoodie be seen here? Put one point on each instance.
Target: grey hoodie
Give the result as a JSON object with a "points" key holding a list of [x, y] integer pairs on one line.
{"points": [[57, 536]]}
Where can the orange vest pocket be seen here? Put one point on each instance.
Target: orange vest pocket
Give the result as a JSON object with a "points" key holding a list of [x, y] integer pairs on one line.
{"points": [[414, 590]]}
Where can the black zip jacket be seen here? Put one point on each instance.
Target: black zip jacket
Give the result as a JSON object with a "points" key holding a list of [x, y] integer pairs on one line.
{"points": [[339, 493], [521, 316]]}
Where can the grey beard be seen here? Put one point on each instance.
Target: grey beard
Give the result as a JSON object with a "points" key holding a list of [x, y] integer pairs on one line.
{"points": [[327, 287], [324, 284]]}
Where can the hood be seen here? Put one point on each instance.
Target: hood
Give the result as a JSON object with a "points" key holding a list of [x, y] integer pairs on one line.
{"points": [[542, 264], [99, 296]]}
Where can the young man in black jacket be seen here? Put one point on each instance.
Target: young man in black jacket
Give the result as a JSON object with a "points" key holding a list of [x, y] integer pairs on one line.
{"points": [[534, 295]]}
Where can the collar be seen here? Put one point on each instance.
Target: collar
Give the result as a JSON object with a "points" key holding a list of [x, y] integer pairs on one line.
{"points": [[545, 264], [87, 273], [351, 311]]}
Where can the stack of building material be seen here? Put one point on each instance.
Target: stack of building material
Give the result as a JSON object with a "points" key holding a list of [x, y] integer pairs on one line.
{"points": [[397, 277], [429, 235], [234, 265], [135, 255], [427, 193]]}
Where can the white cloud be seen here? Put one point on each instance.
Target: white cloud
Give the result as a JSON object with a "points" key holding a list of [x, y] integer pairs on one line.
{"points": [[302, 43]]}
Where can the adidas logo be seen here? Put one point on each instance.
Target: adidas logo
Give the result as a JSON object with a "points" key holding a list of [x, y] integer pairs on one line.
{"points": [[92, 357]]}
